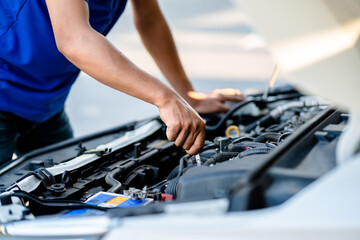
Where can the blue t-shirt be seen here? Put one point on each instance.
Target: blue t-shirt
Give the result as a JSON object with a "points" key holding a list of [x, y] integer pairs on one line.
{"points": [[35, 78]]}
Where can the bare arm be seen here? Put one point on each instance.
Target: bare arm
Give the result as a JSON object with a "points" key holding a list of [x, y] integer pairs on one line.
{"points": [[158, 40], [95, 55]]}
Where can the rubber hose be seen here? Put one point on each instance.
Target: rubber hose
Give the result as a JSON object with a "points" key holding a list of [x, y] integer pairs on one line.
{"points": [[254, 151], [276, 127], [53, 204], [220, 157], [116, 186], [172, 187], [173, 173], [283, 136], [243, 139], [263, 122], [267, 137], [182, 165], [228, 114]]}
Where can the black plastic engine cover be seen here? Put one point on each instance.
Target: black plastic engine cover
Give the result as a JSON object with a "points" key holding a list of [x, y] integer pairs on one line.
{"points": [[211, 182]]}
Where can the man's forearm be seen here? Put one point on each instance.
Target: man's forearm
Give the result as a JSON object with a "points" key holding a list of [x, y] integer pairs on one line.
{"points": [[158, 40], [96, 56]]}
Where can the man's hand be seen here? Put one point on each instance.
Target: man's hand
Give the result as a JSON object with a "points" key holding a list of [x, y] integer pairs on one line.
{"points": [[214, 101], [184, 126]]}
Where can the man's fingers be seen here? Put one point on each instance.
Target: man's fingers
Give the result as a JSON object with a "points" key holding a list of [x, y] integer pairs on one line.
{"points": [[189, 133], [230, 98], [182, 136], [235, 98], [191, 137], [223, 107], [227, 91], [173, 131], [227, 94], [198, 144]]}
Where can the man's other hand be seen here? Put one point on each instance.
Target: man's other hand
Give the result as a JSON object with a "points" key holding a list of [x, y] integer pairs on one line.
{"points": [[214, 102]]}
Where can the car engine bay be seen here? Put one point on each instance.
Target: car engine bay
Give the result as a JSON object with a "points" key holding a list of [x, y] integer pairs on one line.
{"points": [[258, 155]]}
